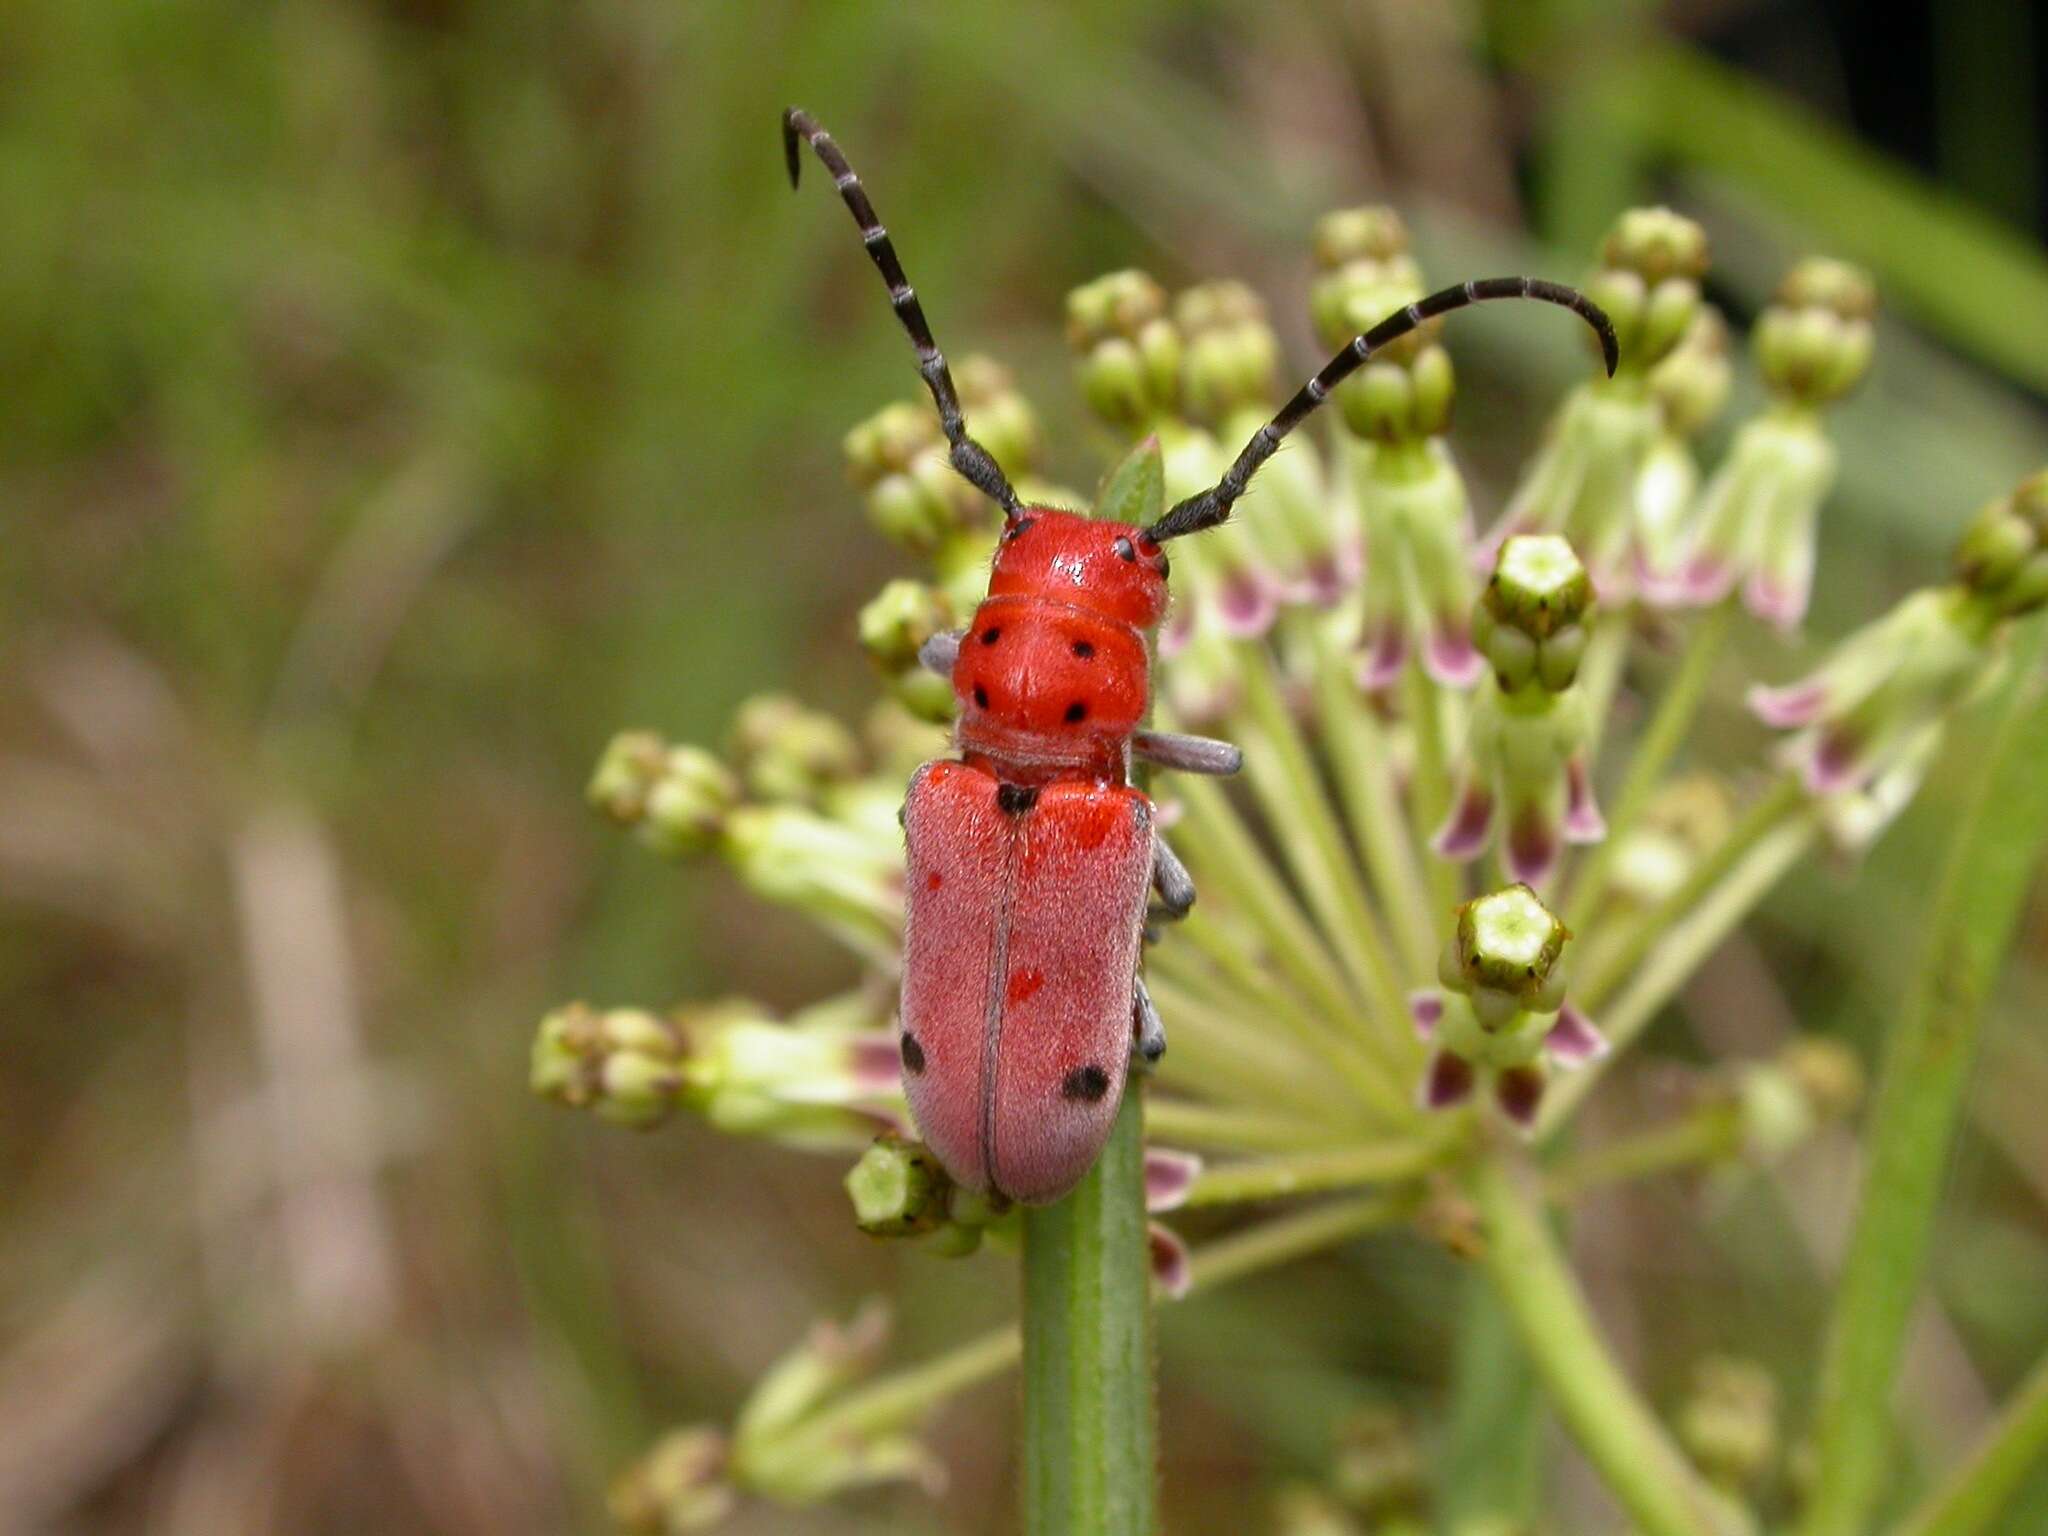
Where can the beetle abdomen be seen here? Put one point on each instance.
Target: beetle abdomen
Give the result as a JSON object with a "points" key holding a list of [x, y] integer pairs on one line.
{"points": [[1025, 912]]}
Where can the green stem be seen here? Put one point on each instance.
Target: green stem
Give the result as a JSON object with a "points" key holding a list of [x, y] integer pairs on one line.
{"points": [[1709, 1134], [1285, 779], [1614, 1427], [1973, 1495], [1783, 800], [1090, 1462], [1275, 1178], [1429, 792], [1672, 962], [1990, 868], [1653, 753], [1491, 1464], [1364, 769], [1600, 673], [1179, 1123], [1270, 1243]]}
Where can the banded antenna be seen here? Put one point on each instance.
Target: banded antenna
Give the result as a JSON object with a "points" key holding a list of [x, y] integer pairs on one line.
{"points": [[974, 462], [1208, 508]]}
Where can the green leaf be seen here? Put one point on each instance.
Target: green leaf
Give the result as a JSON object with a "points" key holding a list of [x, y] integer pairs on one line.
{"points": [[1993, 863], [1135, 491]]}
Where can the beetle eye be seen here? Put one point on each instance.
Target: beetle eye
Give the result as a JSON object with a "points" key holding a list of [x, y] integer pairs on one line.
{"points": [[1016, 529], [1125, 550], [1164, 567]]}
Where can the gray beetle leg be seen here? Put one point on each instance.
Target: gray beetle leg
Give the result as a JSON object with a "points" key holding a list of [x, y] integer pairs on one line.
{"points": [[1188, 754], [1146, 1029], [940, 652]]}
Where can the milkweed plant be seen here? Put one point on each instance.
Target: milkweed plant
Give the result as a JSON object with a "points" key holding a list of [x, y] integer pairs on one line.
{"points": [[1448, 893]]}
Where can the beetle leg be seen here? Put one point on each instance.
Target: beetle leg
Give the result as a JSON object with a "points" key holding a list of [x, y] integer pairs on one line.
{"points": [[1146, 1028], [1189, 754], [1170, 878], [940, 652]]}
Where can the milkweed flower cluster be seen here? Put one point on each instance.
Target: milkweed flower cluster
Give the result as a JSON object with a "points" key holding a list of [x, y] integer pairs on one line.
{"points": [[1370, 998]]}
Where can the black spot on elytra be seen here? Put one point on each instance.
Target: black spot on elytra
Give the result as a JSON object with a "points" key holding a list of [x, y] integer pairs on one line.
{"points": [[1083, 649], [1089, 1082], [1076, 712], [992, 634], [913, 1055], [980, 697], [1016, 799]]}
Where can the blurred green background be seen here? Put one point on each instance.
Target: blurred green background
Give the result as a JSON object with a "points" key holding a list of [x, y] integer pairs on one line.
{"points": [[401, 396]]}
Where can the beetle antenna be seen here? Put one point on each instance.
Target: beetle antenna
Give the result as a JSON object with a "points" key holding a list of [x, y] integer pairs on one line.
{"points": [[1208, 508], [973, 461]]}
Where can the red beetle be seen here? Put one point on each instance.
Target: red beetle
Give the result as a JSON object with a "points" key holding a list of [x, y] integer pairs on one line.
{"points": [[1031, 854]]}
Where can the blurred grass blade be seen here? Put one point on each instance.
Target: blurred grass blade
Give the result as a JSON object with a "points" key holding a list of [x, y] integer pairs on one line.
{"points": [[1089, 1457], [1978, 1490], [1992, 862]]}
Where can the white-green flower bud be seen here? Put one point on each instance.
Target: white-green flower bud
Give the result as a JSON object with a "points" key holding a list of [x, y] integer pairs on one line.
{"points": [[1532, 615], [1508, 942], [898, 1189], [1377, 1468]]}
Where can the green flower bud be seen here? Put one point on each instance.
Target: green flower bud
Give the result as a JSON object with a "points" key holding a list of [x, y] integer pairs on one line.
{"points": [[1300, 1509], [998, 417], [1232, 354], [624, 1064], [1730, 1421], [1377, 1469], [897, 457], [1508, 942], [1651, 264], [1814, 341], [679, 1486], [632, 762], [898, 620], [788, 752], [687, 801], [1367, 275], [841, 875], [898, 1189], [1691, 383], [1129, 351], [2003, 555]]}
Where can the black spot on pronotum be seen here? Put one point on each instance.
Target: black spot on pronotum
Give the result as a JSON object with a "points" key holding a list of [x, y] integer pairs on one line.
{"points": [[913, 1055], [980, 697], [1016, 799], [1083, 649], [1076, 712], [1089, 1083], [992, 634]]}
